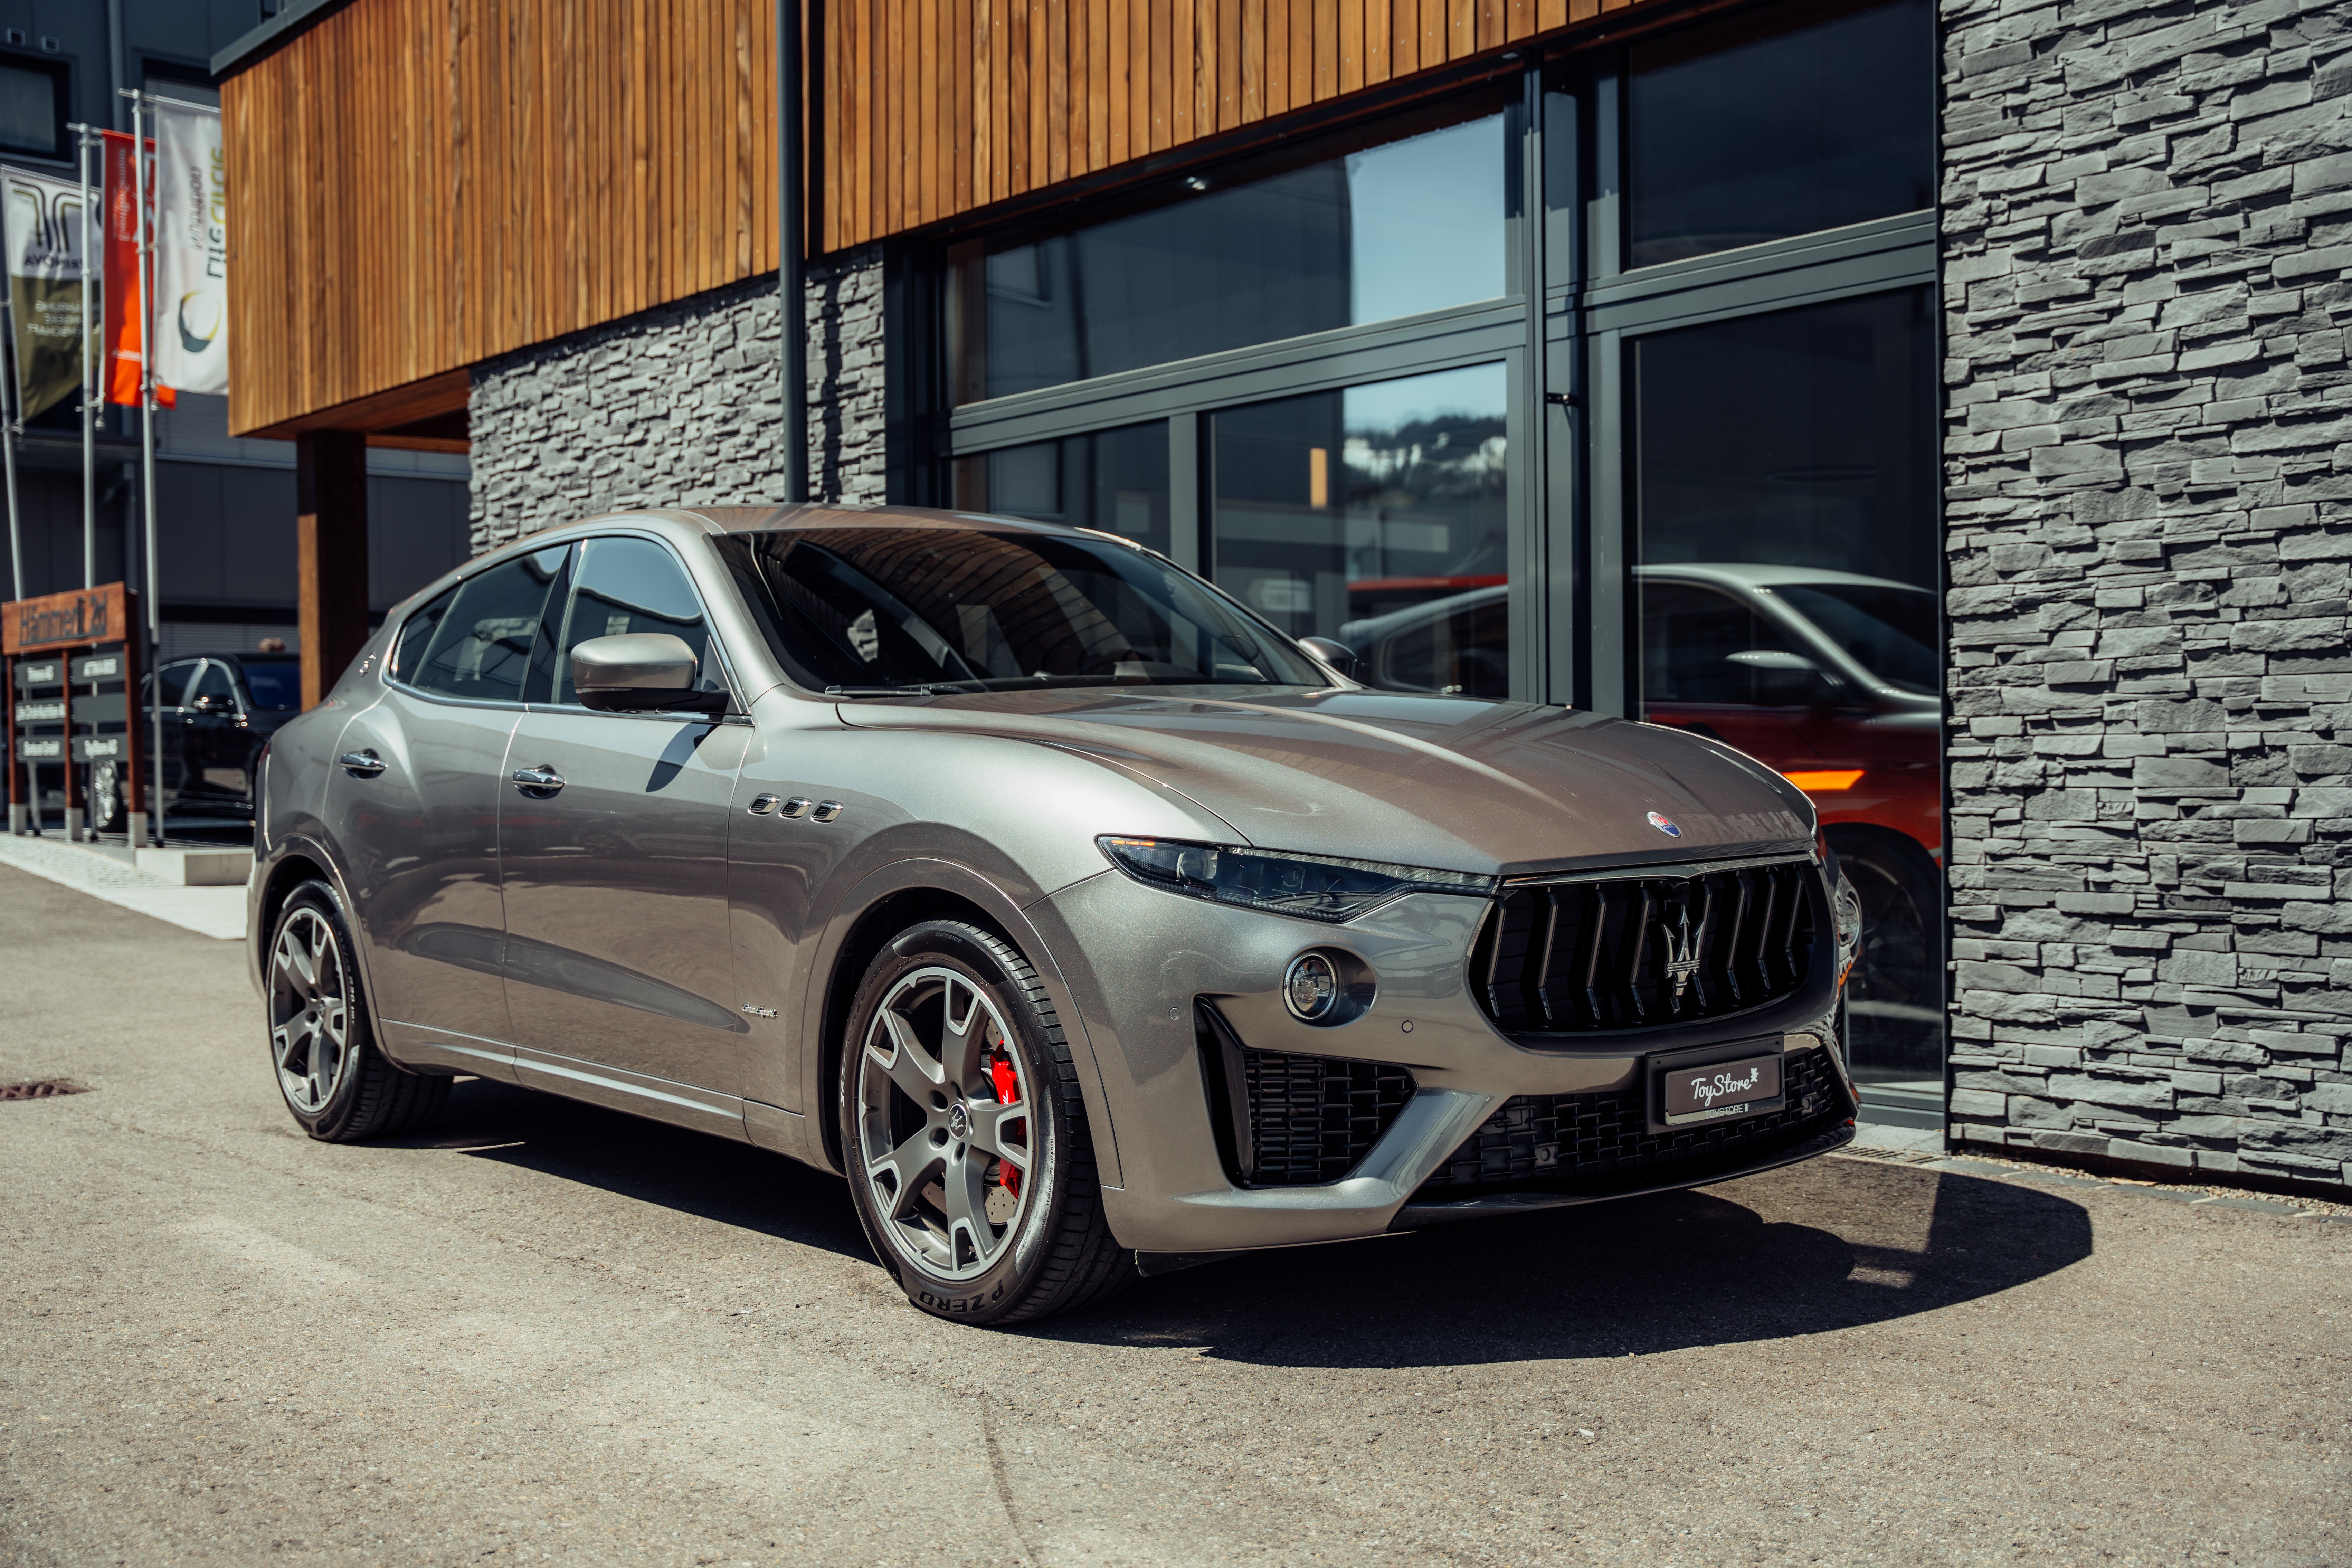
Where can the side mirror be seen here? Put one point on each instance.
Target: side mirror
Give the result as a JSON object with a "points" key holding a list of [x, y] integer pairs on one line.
{"points": [[1787, 680], [215, 703], [640, 672], [1338, 655]]}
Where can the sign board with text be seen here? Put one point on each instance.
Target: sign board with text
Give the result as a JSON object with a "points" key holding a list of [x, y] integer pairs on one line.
{"points": [[73, 619]]}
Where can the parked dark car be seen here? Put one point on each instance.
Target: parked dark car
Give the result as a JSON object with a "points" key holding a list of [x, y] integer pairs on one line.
{"points": [[219, 710]]}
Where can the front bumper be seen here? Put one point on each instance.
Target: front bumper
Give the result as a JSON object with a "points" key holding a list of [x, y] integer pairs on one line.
{"points": [[1141, 963]]}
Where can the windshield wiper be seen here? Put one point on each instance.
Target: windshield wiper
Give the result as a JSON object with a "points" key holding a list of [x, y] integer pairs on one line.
{"points": [[932, 688]]}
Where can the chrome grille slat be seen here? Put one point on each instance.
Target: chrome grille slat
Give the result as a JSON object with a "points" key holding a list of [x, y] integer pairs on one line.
{"points": [[1644, 949]]}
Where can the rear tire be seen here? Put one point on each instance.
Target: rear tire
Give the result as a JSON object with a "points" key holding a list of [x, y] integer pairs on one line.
{"points": [[322, 1047], [988, 1213], [105, 797]]}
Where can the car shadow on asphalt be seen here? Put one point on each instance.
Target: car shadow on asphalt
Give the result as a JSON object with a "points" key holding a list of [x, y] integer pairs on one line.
{"points": [[649, 1162], [1637, 1276]]}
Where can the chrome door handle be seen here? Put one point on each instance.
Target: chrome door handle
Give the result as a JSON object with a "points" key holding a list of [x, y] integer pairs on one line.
{"points": [[542, 781], [363, 765]]}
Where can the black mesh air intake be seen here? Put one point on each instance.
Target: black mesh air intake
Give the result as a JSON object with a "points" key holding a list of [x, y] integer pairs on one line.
{"points": [[1602, 1140], [1633, 952], [1285, 1121]]}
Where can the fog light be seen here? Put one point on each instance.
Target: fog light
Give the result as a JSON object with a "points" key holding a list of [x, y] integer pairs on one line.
{"points": [[1311, 989]]}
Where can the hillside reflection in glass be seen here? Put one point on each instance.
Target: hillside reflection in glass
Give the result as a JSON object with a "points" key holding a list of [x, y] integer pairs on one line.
{"points": [[1352, 514], [1415, 225]]}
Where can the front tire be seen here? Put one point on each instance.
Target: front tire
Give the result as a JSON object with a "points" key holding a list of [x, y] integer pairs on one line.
{"points": [[105, 797], [965, 1137], [335, 1081]]}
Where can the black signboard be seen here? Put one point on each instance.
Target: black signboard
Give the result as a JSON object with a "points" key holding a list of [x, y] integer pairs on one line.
{"points": [[94, 667], [37, 672]]}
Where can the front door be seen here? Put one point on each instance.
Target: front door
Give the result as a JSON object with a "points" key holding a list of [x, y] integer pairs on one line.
{"points": [[619, 979], [412, 803]]}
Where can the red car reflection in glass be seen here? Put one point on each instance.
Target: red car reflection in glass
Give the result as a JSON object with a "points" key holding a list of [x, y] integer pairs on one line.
{"points": [[1831, 678]]}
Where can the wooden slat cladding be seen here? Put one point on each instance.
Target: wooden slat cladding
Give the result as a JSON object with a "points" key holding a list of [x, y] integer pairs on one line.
{"points": [[417, 186], [931, 109]]}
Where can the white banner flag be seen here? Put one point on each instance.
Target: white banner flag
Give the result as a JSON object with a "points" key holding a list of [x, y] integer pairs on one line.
{"points": [[191, 321]]}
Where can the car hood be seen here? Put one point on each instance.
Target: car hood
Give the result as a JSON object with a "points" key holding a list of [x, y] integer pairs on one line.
{"points": [[1453, 782]]}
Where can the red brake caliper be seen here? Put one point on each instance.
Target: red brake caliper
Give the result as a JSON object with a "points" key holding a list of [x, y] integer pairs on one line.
{"points": [[1008, 1090]]}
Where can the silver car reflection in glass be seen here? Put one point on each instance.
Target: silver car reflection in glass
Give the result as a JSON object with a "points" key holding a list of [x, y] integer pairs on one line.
{"points": [[1088, 925]]}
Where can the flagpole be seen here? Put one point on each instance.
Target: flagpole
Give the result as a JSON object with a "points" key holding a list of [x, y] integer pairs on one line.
{"points": [[147, 440], [88, 386], [8, 453]]}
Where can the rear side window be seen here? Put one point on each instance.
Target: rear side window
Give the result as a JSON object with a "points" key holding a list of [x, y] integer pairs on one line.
{"points": [[275, 684], [175, 678], [475, 640]]}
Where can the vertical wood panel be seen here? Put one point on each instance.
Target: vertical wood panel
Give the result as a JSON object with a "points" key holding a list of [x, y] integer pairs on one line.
{"points": [[418, 186]]}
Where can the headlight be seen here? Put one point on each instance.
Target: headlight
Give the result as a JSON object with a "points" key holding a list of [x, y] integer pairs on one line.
{"points": [[1314, 886]]}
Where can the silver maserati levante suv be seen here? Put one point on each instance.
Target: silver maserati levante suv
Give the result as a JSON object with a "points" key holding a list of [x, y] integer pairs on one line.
{"points": [[1087, 924]]}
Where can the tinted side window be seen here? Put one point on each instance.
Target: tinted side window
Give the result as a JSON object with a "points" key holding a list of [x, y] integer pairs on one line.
{"points": [[215, 683], [274, 684], [175, 678], [633, 585], [1691, 640], [480, 639]]}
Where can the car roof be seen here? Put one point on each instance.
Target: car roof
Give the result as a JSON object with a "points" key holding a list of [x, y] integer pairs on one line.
{"points": [[1757, 574], [768, 518]]}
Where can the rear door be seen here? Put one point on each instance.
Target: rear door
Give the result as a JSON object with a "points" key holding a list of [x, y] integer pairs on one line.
{"points": [[413, 805], [620, 980]]}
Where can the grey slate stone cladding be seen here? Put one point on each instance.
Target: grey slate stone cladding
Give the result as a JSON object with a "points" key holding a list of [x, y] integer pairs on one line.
{"points": [[679, 406], [2147, 280]]}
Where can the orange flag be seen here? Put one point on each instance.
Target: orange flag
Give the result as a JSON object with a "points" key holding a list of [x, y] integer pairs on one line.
{"points": [[125, 317]]}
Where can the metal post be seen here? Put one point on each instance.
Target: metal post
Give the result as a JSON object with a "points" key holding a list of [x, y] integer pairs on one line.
{"points": [[88, 385], [791, 224], [8, 446], [147, 444]]}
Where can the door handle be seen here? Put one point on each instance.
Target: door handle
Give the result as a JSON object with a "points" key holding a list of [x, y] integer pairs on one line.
{"points": [[537, 783], [361, 765]]}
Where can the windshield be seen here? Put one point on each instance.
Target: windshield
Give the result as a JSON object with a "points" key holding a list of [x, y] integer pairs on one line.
{"points": [[275, 684], [878, 610], [1889, 631]]}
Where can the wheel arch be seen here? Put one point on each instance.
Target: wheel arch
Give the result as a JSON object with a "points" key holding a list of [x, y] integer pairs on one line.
{"points": [[297, 861], [888, 902]]}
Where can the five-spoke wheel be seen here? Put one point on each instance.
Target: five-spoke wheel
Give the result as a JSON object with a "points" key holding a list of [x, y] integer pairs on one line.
{"points": [[944, 1127], [964, 1136], [336, 1082], [309, 1011]]}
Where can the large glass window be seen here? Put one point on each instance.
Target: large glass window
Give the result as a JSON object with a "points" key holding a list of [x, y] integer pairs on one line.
{"points": [[1784, 473], [1781, 122], [1115, 481], [1414, 225], [1375, 515]]}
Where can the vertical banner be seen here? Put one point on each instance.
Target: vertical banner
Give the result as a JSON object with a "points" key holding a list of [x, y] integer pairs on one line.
{"points": [[190, 316], [125, 319], [44, 243]]}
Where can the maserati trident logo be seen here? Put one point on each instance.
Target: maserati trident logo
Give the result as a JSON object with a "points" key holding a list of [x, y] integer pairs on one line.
{"points": [[1665, 824], [1682, 950]]}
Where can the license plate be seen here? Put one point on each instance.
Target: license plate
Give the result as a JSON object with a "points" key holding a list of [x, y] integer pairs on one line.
{"points": [[1719, 1089]]}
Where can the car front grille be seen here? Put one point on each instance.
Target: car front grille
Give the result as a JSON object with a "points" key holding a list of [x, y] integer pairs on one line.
{"points": [[1634, 951], [1285, 1121], [1598, 1141]]}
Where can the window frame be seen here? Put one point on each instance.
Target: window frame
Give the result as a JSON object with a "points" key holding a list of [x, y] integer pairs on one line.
{"points": [[61, 75], [560, 583], [538, 688]]}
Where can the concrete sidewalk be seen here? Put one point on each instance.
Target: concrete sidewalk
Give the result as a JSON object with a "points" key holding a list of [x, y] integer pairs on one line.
{"points": [[549, 1333], [217, 913]]}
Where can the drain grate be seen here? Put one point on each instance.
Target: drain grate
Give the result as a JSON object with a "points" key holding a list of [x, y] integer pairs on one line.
{"points": [[45, 1089]]}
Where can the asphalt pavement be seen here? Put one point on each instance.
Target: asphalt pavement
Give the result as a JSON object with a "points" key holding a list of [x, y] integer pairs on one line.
{"points": [[548, 1332]]}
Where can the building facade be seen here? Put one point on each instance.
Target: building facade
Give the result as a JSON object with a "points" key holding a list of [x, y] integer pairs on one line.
{"points": [[225, 508], [1943, 400]]}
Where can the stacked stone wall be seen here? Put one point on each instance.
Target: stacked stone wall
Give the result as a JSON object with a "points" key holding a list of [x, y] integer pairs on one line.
{"points": [[2148, 279], [680, 406]]}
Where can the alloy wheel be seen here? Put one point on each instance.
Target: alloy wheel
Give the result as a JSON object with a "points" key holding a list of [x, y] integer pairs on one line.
{"points": [[946, 1140], [309, 1011], [105, 792]]}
